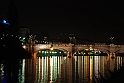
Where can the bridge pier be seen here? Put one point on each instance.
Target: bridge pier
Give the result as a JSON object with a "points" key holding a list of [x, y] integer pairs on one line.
{"points": [[69, 54], [112, 55], [34, 55]]}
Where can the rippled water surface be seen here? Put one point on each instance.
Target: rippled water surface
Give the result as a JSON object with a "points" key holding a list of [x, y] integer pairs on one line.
{"points": [[58, 69]]}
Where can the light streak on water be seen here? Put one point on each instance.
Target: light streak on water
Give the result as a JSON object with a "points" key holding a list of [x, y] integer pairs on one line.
{"points": [[59, 69]]}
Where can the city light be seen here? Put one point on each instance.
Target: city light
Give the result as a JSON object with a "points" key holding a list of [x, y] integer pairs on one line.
{"points": [[24, 38], [4, 22], [51, 48], [24, 47], [111, 38]]}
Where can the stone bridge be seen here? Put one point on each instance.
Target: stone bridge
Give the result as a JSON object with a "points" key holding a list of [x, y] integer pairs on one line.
{"points": [[71, 48]]}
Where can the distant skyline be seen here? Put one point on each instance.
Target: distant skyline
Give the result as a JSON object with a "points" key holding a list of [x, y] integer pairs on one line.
{"points": [[96, 21]]}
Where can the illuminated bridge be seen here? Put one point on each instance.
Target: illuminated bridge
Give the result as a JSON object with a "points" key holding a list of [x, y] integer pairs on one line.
{"points": [[70, 49]]}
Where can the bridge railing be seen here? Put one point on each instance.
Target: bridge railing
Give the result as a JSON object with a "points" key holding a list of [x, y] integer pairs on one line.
{"points": [[91, 45], [62, 44]]}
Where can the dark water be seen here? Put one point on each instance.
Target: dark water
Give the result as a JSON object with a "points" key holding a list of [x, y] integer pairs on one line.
{"points": [[58, 69]]}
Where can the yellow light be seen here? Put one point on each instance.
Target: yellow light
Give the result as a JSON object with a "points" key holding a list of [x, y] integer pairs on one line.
{"points": [[24, 47], [51, 48], [86, 49], [91, 49]]}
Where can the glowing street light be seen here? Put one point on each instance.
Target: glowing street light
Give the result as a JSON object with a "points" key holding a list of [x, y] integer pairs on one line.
{"points": [[70, 39], [4, 21], [51, 48], [111, 38], [24, 47]]}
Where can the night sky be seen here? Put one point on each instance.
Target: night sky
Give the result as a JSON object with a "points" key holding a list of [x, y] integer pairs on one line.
{"points": [[97, 21]]}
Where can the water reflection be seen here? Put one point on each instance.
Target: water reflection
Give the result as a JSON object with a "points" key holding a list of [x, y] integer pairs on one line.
{"points": [[58, 69], [9, 71]]}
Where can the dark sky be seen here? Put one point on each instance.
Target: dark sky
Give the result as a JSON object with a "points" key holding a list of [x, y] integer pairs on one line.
{"points": [[98, 20]]}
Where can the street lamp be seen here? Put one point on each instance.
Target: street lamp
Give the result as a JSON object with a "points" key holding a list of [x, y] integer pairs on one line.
{"points": [[74, 40], [51, 48], [70, 39], [111, 38]]}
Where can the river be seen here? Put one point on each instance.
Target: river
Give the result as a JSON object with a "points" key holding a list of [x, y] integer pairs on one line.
{"points": [[58, 69]]}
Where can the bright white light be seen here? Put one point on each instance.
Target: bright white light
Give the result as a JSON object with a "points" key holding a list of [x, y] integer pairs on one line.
{"points": [[42, 51], [24, 47], [23, 38], [4, 21]]}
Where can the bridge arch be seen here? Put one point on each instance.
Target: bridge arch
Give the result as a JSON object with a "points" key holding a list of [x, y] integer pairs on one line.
{"points": [[71, 49], [91, 49], [119, 51], [64, 48], [60, 49], [104, 50]]}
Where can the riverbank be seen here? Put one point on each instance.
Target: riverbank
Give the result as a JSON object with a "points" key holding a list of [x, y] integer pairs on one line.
{"points": [[11, 48], [17, 53]]}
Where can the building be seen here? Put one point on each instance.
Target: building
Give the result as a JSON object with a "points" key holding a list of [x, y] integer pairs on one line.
{"points": [[4, 27], [23, 34], [23, 31]]}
